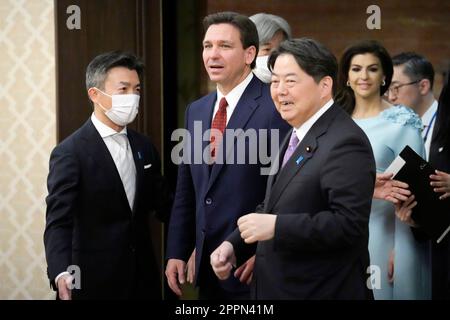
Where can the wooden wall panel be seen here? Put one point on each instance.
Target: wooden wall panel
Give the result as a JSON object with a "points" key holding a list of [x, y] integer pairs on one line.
{"points": [[414, 25]]}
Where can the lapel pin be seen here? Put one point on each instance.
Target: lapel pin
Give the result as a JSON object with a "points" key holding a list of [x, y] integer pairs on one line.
{"points": [[299, 160], [139, 155], [308, 149]]}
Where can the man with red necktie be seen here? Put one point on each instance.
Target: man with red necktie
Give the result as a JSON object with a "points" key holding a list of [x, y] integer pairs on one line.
{"points": [[212, 195]]}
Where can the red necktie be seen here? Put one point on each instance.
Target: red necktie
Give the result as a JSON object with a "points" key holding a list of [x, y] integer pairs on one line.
{"points": [[219, 123]]}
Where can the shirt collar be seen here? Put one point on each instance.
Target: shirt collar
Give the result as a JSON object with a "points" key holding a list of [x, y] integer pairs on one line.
{"points": [[428, 115], [235, 94], [304, 128], [103, 129]]}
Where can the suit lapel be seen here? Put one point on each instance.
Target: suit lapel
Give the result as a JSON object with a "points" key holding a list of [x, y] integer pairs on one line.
{"points": [[292, 168], [97, 150], [276, 167], [302, 154], [242, 113], [138, 157], [206, 121]]}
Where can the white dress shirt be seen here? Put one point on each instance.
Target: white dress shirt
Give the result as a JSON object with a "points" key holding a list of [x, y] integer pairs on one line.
{"points": [[428, 121], [232, 97]]}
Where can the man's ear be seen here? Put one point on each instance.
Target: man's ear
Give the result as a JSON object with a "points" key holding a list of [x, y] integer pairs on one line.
{"points": [[424, 86], [93, 94], [326, 86], [250, 54]]}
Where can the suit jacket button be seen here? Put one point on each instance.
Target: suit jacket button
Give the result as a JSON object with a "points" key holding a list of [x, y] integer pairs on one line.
{"points": [[208, 201], [132, 248]]}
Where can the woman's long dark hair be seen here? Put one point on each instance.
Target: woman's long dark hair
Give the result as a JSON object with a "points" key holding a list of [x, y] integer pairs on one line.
{"points": [[345, 96], [442, 127]]}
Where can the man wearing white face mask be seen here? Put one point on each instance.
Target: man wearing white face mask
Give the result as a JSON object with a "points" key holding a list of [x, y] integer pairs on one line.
{"points": [[272, 30], [104, 182]]}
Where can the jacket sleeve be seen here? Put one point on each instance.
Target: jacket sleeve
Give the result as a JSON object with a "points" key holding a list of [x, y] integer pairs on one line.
{"points": [[182, 225], [160, 189], [62, 184]]}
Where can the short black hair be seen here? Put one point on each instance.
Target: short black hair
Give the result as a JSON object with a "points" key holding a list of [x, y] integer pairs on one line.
{"points": [[246, 27], [98, 68], [346, 96], [312, 57], [416, 66]]}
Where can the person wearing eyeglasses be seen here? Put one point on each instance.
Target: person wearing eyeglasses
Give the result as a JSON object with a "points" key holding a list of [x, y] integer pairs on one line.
{"points": [[439, 158], [412, 86]]}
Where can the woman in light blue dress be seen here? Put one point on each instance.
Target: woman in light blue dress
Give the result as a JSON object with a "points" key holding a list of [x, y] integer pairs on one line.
{"points": [[399, 265]]}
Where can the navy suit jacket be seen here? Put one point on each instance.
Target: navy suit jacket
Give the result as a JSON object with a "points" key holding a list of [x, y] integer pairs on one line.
{"points": [[322, 199], [90, 224], [210, 199]]}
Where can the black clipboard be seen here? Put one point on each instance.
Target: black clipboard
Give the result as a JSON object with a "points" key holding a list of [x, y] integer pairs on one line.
{"points": [[430, 213]]}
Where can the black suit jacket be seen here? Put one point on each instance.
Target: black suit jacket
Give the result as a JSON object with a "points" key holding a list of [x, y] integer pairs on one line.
{"points": [[440, 252], [322, 199], [89, 222]]}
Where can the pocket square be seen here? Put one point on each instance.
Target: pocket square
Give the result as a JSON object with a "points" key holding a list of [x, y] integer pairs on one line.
{"points": [[146, 166]]}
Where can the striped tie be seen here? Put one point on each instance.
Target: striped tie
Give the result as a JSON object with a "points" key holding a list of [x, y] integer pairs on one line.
{"points": [[218, 127]]}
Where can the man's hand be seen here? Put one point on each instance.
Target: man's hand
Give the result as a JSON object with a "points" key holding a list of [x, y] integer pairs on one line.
{"points": [[257, 227], [175, 274], [64, 284], [190, 268], [222, 260], [391, 190], [403, 211], [245, 272], [441, 182]]}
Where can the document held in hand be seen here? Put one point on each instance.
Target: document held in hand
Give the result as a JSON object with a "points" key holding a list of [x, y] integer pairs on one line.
{"points": [[430, 213]]}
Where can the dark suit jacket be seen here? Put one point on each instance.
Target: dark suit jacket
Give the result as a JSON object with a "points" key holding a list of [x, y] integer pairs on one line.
{"points": [[208, 201], [89, 222], [322, 199], [440, 252]]}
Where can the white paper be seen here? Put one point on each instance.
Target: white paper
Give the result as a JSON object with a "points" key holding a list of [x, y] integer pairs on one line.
{"points": [[396, 165]]}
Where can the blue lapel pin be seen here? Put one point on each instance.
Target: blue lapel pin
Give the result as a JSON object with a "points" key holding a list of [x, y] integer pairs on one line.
{"points": [[139, 155], [299, 160]]}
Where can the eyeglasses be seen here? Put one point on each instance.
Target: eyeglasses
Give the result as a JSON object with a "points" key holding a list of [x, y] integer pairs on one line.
{"points": [[394, 89]]}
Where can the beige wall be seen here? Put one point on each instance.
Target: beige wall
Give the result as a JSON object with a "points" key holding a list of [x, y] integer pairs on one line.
{"points": [[27, 135]]}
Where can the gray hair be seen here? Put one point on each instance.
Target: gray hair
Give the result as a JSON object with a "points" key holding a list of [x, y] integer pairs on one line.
{"points": [[269, 24]]}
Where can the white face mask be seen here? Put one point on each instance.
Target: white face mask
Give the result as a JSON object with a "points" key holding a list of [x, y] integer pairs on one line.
{"points": [[124, 108], [261, 70]]}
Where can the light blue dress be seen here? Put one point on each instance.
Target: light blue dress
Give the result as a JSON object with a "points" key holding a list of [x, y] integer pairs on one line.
{"points": [[389, 133]]}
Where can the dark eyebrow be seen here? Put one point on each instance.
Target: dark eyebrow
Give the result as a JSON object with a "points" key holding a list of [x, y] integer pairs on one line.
{"points": [[373, 64], [286, 75], [127, 84]]}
